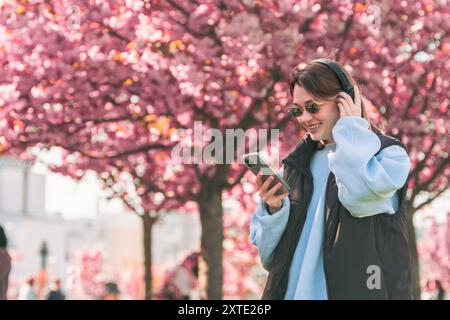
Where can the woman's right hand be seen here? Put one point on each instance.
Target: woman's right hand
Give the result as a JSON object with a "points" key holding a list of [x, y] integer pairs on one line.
{"points": [[272, 201]]}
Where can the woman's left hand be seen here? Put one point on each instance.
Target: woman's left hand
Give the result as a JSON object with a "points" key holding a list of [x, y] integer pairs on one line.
{"points": [[346, 106]]}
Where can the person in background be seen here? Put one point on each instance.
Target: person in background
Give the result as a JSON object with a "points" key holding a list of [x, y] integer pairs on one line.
{"points": [[440, 295], [182, 282], [55, 291], [27, 290], [5, 264], [112, 291]]}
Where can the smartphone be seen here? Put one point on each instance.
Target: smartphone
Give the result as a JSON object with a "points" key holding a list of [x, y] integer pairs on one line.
{"points": [[256, 163]]}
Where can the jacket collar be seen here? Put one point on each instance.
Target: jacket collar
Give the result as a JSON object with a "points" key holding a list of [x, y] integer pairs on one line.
{"points": [[300, 158]]}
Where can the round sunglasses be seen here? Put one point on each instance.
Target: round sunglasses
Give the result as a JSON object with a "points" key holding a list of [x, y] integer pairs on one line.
{"points": [[297, 111]]}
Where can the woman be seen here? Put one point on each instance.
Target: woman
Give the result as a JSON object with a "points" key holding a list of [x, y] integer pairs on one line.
{"points": [[5, 265], [341, 232]]}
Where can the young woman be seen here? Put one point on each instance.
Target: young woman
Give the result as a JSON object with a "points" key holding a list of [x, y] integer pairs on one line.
{"points": [[341, 231]]}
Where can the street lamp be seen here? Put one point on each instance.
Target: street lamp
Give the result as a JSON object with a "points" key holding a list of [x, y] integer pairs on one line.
{"points": [[44, 253], [42, 274]]}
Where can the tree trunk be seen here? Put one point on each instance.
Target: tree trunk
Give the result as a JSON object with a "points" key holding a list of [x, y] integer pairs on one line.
{"points": [[415, 272], [147, 225], [211, 257]]}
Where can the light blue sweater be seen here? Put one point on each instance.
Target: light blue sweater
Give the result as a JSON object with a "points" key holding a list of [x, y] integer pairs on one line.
{"points": [[367, 185]]}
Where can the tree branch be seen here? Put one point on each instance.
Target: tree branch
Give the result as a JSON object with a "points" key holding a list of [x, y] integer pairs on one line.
{"points": [[345, 34], [421, 164], [430, 199], [209, 32], [112, 155], [437, 172], [304, 27], [97, 120]]}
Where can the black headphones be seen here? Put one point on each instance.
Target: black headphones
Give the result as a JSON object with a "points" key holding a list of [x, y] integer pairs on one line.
{"points": [[346, 84]]}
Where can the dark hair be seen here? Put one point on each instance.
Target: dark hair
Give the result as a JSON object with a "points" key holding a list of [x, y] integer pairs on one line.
{"points": [[322, 83], [30, 281], [112, 288], [3, 239]]}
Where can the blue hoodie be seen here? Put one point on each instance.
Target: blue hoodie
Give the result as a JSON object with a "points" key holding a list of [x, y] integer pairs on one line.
{"points": [[367, 185]]}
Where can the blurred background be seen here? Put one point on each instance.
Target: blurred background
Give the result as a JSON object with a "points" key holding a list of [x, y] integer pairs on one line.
{"points": [[95, 96]]}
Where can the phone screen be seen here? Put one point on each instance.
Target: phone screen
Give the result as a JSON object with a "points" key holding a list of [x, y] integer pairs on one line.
{"points": [[256, 163]]}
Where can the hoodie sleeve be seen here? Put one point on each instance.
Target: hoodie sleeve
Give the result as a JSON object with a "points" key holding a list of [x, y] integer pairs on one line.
{"points": [[367, 184], [266, 229]]}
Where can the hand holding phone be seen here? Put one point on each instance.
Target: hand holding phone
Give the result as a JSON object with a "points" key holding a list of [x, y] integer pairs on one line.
{"points": [[270, 193], [272, 188]]}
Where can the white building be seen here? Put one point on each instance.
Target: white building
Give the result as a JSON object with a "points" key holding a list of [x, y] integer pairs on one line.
{"points": [[28, 225]]}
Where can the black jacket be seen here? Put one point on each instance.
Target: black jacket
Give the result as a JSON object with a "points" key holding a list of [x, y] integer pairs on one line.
{"points": [[354, 249]]}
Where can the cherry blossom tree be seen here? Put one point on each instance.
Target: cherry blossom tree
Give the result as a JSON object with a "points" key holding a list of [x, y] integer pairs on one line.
{"points": [[110, 82], [129, 180], [434, 252], [87, 274], [131, 281]]}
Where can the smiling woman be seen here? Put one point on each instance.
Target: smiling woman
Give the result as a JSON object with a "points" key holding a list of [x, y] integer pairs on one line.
{"points": [[320, 90], [344, 217]]}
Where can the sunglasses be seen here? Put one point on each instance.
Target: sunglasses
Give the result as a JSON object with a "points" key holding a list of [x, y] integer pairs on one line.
{"points": [[297, 111]]}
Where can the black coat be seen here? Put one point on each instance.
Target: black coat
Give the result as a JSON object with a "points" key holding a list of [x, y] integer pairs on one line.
{"points": [[355, 249]]}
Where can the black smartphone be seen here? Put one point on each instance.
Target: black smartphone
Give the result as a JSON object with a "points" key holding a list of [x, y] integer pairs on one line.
{"points": [[256, 163]]}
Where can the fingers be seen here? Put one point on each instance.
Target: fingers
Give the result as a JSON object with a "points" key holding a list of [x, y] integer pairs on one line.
{"points": [[269, 194], [265, 186], [258, 179], [346, 106], [343, 106], [357, 96], [280, 197], [276, 201], [346, 97], [341, 115]]}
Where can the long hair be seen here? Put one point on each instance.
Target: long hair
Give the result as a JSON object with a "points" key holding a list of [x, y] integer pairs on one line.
{"points": [[322, 83], [3, 239]]}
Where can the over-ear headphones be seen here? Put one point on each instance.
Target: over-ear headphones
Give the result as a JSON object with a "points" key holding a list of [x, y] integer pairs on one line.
{"points": [[345, 82]]}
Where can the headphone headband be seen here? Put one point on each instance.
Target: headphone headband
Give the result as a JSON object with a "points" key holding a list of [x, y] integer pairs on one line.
{"points": [[345, 82]]}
